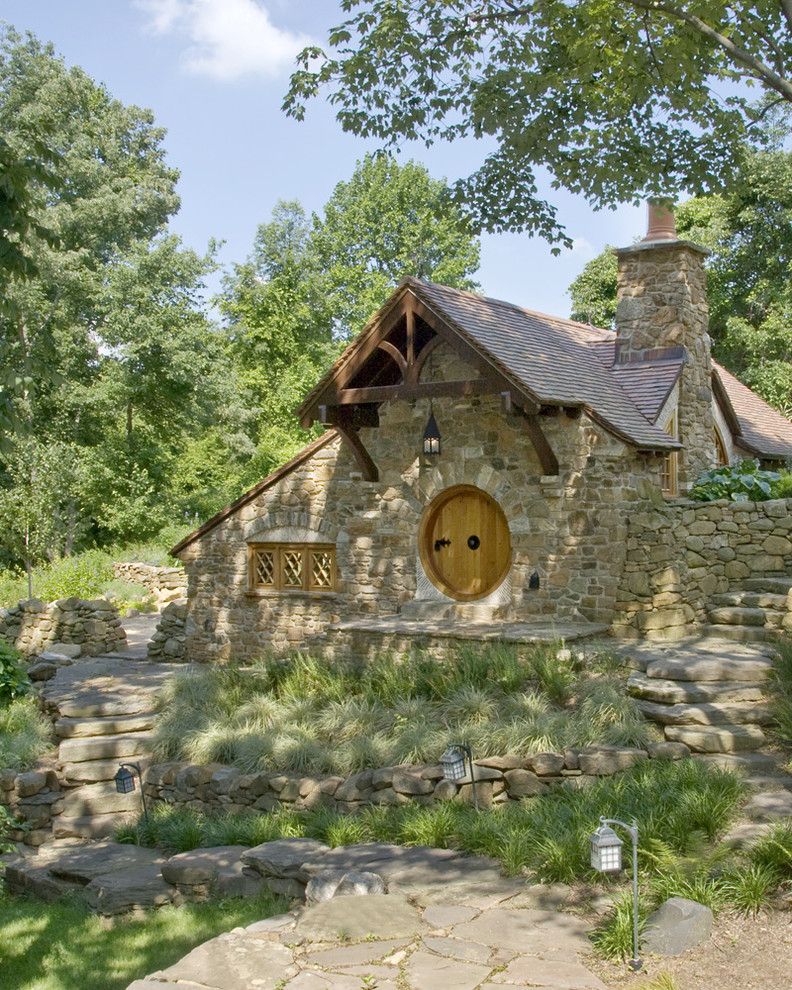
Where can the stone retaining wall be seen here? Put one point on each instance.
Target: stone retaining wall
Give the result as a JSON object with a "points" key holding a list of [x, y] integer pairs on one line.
{"points": [[499, 779], [33, 626], [169, 642], [34, 798], [165, 583], [679, 553]]}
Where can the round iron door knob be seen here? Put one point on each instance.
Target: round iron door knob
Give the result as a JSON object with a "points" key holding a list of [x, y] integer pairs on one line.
{"points": [[473, 542]]}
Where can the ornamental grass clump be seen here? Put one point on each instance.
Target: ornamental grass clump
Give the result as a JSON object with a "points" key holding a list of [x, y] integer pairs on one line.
{"points": [[303, 714]]}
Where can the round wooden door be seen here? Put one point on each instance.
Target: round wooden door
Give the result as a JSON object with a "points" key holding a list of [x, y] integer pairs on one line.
{"points": [[464, 543]]}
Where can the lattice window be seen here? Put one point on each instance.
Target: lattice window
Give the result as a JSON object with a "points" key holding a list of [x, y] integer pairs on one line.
{"points": [[322, 569], [292, 567]]}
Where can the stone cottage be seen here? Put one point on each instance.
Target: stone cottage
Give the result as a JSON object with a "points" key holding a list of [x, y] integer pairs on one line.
{"points": [[481, 462]]}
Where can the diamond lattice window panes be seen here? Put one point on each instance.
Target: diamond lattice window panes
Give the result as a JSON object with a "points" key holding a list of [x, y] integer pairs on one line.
{"points": [[292, 567]]}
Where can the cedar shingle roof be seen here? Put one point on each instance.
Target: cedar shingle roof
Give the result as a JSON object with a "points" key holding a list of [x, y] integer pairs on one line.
{"points": [[763, 430]]}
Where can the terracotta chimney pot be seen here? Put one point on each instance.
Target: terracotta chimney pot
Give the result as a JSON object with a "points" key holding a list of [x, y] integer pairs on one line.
{"points": [[661, 225]]}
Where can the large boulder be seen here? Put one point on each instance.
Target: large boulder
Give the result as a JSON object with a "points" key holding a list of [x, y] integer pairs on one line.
{"points": [[676, 926]]}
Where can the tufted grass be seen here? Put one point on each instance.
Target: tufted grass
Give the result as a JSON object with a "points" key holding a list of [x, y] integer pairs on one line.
{"points": [[25, 734], [61, 946], [307, 715]]}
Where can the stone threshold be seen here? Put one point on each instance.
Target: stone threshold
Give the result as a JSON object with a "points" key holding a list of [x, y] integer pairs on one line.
{"points": [[539, 631]]}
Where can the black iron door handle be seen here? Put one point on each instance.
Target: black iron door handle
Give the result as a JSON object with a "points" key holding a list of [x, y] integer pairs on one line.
{"points": [[439, 544]]}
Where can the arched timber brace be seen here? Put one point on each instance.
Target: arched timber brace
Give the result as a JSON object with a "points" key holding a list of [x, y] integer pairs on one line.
{"points": [[533, 428], [342, 420]]}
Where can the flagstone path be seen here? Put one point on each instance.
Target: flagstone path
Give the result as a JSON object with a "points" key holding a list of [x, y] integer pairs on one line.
{"points": [[390, 942]]}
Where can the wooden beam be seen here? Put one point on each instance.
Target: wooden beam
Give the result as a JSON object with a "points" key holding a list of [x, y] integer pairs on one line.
{"points": [[394, 352], [543, 449], [414, 370], [343, 423], [410, 315], [423, 390]]}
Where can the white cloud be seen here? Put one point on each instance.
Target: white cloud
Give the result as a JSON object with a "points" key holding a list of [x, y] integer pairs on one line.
{"points": [[581, 246], [226, 39]]}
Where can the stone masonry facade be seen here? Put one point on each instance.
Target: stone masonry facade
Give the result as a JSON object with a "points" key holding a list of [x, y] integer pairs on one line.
{"points": [[662, 303], [570, 529], [681, 553]]}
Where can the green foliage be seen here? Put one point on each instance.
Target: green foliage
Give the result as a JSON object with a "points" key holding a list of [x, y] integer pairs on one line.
{"points": [[8, 824], [62, 945], [747, 888], [25, 734], [774, 851], [780, 682], [748, 229], [128, 594], [628, 85], [14, 681], [783, 487], [743, 482], [613, 939], [310, 715]]}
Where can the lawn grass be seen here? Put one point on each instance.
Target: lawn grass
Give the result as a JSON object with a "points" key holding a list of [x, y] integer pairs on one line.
{"points": [[62, 946], [309, 715]]}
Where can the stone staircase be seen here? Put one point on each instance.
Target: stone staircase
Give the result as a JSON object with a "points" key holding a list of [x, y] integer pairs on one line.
{"points": [[753, 612], [708, 694], [104, 711]]}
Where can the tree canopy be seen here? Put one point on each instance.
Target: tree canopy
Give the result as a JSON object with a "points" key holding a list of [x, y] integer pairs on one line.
{"points": [[615, 99], [749, 231]]}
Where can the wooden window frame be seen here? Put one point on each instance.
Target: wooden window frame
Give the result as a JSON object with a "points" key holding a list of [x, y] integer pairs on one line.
{"points": [[669, 478], [721, 453], [308, 584]]}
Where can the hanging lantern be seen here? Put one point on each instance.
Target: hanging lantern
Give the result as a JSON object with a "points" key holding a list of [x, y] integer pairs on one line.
{"points": [[124, 780], [453, 763], [431, 437], [606, 850]]}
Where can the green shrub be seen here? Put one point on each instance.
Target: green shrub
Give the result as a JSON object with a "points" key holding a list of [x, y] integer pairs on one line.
{"points": [[774, 851], [24, 734], [783, 487], [613, 939], [128, 594], [780, 683], [743, 482], [14, 681]]}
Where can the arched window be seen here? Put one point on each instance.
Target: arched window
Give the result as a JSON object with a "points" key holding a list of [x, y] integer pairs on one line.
{"points": [[721, 454]]}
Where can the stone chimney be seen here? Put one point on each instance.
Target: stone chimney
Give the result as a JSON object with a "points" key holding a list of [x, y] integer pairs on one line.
{"points": [[662, 312]]}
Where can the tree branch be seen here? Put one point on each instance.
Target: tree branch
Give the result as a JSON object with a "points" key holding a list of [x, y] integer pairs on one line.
{"points": [[786, 6], [770, 78]]}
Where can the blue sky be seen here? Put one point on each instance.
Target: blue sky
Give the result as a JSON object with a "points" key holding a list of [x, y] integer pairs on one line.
{"points": [[214, 73]]}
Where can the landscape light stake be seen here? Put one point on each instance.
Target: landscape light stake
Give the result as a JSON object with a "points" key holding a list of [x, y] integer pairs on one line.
{"points": [[606, 857], [453, 764], [125, 782]]}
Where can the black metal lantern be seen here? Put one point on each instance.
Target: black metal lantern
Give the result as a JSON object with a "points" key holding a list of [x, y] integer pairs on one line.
{"points": [[431, 437], [125, 782], [452, 763]]}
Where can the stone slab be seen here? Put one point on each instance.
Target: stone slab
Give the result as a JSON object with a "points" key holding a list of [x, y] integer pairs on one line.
{"points": [[202, 866], [710, 669], [137, 887], [383, 916], [526, 931], [770, 806], [432, 972], [734, 739], [84, 863], [356, 955], [66, 728], [77, 750], [233, 962], [692, 692], [455, 948], [550, 974], [284, 858]]}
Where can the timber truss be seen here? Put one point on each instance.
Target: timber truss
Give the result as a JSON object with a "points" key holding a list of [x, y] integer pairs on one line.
{"points": [[385, 363]]}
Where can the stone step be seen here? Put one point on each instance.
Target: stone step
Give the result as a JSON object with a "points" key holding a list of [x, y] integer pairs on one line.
{"points": [[90, 826], [79, 749], [770, 806], [68, 728], [736, 615], [93, 771], [28, 877], [741, 634], [736, 713], [745, 834], [99, 799], [693, 692], [717, 739], [104, 705], [698, 667], [780, 584], [745, 763], [752, 599]]}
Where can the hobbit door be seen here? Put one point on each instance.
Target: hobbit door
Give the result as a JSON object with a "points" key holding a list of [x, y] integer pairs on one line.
{"points": [[464, 543]]}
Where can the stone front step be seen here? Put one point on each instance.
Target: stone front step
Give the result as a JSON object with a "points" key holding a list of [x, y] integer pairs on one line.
{"points": [[68, 728], [700, 667], [102, 706], [720, 739], [738, 615], [752, 599], [80, 749], [692, 692], [770, 806], [742, 634], [745, 762], [93, 771], [738, 713], [99, 799], [776, 585]]}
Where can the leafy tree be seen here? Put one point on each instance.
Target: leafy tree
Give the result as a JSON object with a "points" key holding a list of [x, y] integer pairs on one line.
{"points": [[311, 283], [749, 231], [616, 99]]}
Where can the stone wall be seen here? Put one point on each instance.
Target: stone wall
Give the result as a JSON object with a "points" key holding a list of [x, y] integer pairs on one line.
{"points": [[499, 779], [33, 626], [169, 642], [680, 553], [34, 798], [166, 584], [570, 529]]}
